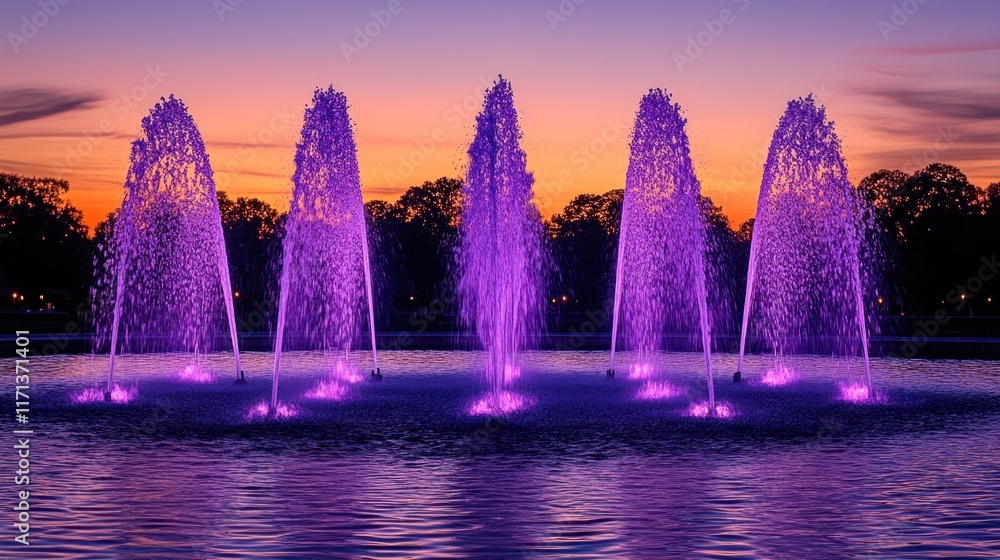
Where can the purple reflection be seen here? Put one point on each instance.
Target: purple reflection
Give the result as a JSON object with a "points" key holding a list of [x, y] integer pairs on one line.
{"points": [[500, 403], [119, 395], [263, 410], [779, 375], [195, 374], [329, 390], [704, 410], [658, 390], [858, 392]]}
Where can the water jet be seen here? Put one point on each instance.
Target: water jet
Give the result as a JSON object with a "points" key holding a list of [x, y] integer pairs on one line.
{"points": [[499, 257], [326, 276], [165, 278], [805, 288], [660, 275]]}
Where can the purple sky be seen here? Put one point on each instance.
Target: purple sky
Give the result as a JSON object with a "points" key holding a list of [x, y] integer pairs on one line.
{"points": [[916, 88]]}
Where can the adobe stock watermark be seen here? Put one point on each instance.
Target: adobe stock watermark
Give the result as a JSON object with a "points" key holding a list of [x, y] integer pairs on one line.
{"points": [[563, 11], [900, 16], [122, 106], [943, 142], [365, 34], [225, 7], [752, 167], [423, 318], [456, 116], [945, 139], [33, 24], [594, 322], [714, 28], [280, 120], [959, 297], [582, 158]]}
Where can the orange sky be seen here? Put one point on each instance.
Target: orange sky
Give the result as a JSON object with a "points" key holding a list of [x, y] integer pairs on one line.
{"points": [[72, 96]]}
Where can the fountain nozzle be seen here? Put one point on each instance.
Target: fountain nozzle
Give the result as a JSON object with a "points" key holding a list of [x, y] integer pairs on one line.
{"points": [[107, 396], [737, 377], [242, 380], [611, 373], [377, 374]]}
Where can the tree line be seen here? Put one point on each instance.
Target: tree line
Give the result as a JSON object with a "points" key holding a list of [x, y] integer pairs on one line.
{"points": [[938, 235]]}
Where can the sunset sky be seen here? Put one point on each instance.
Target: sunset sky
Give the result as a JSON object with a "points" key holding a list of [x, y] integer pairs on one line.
{"points": [[907, 82]]}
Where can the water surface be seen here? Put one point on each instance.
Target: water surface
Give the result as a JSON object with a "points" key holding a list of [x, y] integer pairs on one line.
{"points": [[399, 469]]}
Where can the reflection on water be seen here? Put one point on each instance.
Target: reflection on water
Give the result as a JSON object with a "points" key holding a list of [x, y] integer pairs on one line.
{"points": [[398, 469]]}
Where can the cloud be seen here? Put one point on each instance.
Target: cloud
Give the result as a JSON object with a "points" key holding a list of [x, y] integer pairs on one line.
{"points": [[954, 105], [931, 50], [246, 144], [387, 191], [28, 104], [956, 125], [265, 174]]}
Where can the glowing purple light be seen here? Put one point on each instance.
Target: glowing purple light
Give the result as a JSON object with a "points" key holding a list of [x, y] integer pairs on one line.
{"points": [[347, 373], [262, 411], [500, 256], [165, 270], [809, 280], [511, 373], [195, 374], [499, 404], [119, 395], [640, 371], [662, 280], [88, 395], [325, 278], [779, 375], [658, 390], [329, 390], [857, 392], [703, 410]]}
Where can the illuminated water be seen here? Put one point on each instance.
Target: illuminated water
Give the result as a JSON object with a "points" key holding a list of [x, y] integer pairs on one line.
{"points": [[499, 259], [164, 284], [660, 275], [806, 286], [325, 280], [399, 469]]}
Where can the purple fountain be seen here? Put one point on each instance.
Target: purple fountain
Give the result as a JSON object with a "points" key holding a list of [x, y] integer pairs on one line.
{"points": [[165, 285], [805, 288], [326, 274], [660, 286], [500, 253]]}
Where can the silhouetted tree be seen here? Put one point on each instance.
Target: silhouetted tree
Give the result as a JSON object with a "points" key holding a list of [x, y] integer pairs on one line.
{"points": [[931, 220], [414, 240], [44, 248], [726, 267], [990, 234], [583, 238], [252, 230]]}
